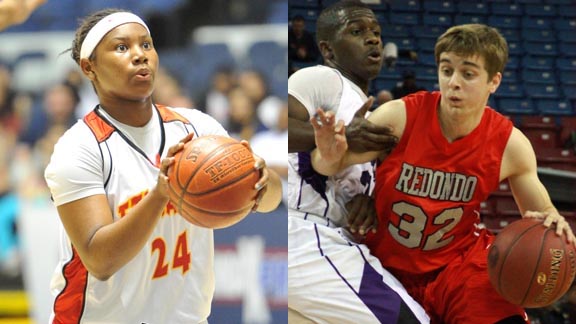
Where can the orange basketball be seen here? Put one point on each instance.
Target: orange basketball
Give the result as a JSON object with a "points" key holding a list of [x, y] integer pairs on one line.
{"points": [[531, 266], [212, 181]]}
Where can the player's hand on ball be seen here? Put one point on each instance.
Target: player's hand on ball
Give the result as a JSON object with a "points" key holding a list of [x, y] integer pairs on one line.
{"points": [[362, 214], [553, 217], [162, 184], [259, 165]]}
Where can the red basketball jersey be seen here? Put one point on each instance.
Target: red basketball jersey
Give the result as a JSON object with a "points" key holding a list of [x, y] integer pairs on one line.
{"points": [[428, 190]]}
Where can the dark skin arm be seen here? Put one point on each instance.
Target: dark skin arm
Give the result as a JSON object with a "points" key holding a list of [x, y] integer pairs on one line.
{"points": [[362, 214], [362, 135], [300, 131]]}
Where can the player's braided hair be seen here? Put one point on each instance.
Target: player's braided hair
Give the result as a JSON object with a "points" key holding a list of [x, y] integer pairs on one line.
{"points": [[329, 23], [85, 25]]}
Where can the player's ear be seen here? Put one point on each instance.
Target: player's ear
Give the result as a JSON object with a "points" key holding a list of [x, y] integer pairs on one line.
{"points": [[326, 50], [87, 68], [495, 82]]}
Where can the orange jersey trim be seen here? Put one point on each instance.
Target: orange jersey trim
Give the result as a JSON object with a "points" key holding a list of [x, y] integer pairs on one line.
{"points": [[98, 126], [103, 130], [69, 304], [168, 115]]}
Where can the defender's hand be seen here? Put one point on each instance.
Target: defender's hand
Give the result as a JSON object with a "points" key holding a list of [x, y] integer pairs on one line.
{"points": [[364, 136], [362, 215]]}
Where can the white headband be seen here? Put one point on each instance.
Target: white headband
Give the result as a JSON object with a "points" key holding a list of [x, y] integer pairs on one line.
{"points": [[104, 26]]}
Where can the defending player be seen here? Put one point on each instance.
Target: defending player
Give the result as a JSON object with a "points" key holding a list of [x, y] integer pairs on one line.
{"points": [[453, 152], [126, 256], [332, 278]]}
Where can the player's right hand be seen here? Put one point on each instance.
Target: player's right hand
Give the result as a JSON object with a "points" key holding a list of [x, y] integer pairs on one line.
{"points": [[162, 184], [364, 136], [553, 217], [362, 215]]}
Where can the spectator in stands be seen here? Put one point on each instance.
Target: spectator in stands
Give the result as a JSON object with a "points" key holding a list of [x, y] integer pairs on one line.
{"points": [[383, 97], [217, 104], [272, 144], [391, 54], [57, 108], [9, 202], [408, 85], [243, 121], [60, 103], [8, 118], [169, 92], [301, 44], [87, 96], [15, 12], [254, 85]]}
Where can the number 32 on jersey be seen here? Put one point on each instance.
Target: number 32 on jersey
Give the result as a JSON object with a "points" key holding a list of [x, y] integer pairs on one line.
{"points": [[409, 231]]}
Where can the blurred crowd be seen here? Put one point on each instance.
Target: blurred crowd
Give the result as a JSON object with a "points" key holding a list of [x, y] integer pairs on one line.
{"points": [[561, 312], [31, 123]]}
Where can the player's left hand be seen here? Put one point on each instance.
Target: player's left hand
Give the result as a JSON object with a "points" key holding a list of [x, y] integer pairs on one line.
{"points": [[260, 165], [553, 217], [362, 214]]}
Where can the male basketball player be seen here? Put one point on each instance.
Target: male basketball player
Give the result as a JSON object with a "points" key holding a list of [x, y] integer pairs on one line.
{"points": [[332, 278], [452, 153]]}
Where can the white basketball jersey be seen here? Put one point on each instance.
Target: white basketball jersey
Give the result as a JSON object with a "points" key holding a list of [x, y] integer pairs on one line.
{"points": [[171, 279], [310, 194]]}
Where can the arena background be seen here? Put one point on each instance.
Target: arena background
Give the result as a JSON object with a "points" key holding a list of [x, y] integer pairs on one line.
{"points": [[538, 90], [197, 42]]}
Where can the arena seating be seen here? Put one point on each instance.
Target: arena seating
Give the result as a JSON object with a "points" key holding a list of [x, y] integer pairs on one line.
{"points": [[36, 64]]}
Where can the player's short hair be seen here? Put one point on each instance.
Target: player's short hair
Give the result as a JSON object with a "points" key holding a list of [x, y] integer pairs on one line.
{"points": [[85, 25], [475, 39], [329, 23]]}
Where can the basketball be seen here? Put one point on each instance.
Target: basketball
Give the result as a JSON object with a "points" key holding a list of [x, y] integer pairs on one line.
{"points": [[531, 266], [211, 182]]}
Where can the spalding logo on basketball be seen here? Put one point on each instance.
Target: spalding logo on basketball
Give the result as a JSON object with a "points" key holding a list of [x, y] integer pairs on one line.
{"points": [[531, 266], [212, 181]]}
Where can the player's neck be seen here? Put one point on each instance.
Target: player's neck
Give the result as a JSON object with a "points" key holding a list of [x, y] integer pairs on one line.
{"points": [[457, 123], [132, 113], [361, 83]]}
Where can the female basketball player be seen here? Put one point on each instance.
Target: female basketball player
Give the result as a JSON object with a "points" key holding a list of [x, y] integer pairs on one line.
{"points": [[453, 152], [126, 256]]}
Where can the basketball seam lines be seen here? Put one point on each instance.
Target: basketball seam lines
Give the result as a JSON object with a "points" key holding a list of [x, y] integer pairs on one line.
{"points": [[546, 231], [506, 256]]}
